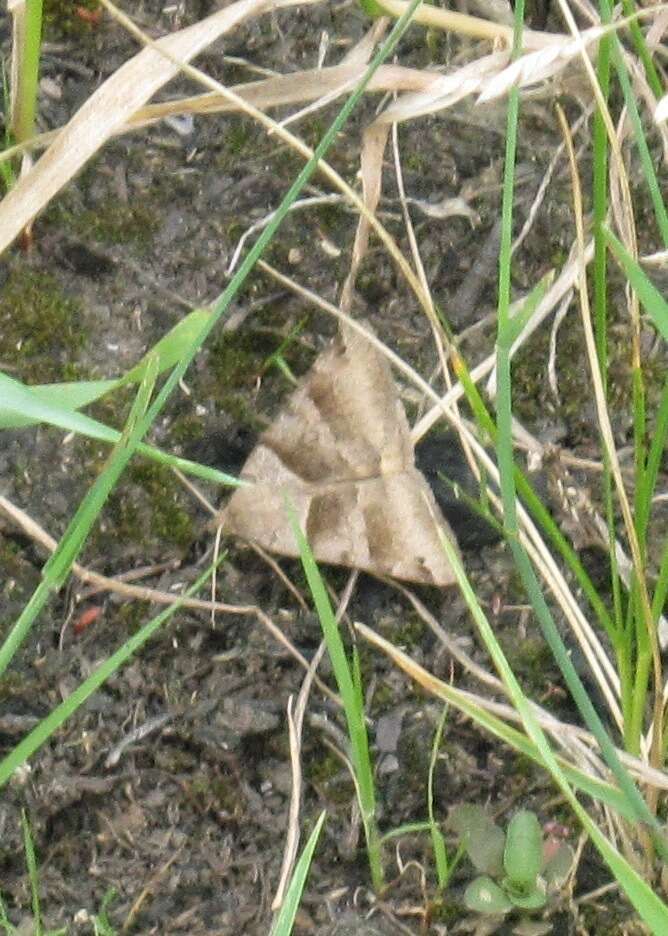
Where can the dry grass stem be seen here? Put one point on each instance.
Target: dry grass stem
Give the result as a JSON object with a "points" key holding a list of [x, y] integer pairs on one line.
{"points": [[295, 715], [598, 659], [108, 108], [605, 428], [570, 737], [104, 583]]}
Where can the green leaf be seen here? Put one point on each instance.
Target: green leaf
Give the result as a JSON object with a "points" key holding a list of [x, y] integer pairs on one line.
{"points": [[372, 8], [523, 854], [518, 320], [558, 866], [485, 896], [64, 396], [481, 837], [534, 899], [24, 405]]}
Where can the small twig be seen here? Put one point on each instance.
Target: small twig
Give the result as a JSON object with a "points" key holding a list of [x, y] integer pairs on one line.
{"points": [[104, 583]]}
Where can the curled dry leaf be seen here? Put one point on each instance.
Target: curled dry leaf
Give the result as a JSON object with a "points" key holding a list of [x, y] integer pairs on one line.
{"points": [[446, 90], [537, 66], [295, 88], [341, 453]]}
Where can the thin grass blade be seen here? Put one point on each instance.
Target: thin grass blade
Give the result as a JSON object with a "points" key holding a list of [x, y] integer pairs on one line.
{"points": [[286, 915]]}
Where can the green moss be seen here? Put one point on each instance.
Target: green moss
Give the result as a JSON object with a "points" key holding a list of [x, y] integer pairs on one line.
{"points": [[130, 617], [170, 522], [114, 222], [207, 790], [61, 19], [409, 631], [188, 427], [325, 770], [235, 363], [240, 142], [41, 329], [11, 684]]}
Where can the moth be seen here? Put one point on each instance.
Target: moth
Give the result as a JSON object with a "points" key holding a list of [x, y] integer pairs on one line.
{"points": [[340, 452]]}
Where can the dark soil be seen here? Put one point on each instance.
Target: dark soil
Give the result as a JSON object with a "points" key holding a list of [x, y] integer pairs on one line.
{"points": [[187, 823]]}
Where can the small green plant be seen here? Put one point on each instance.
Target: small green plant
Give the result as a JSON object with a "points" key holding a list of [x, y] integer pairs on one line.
{"points": [[101, 924], [33, 875], [519, 868]]}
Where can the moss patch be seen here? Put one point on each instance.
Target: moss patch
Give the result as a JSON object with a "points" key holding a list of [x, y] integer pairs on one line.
{"points": [[41, 330], [113, 222], [168, 521], [62, 18]]}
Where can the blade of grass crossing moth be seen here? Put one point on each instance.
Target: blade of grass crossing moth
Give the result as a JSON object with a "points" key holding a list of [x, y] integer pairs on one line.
{"points": [[58, 716], [58, 566], [286, 916], [351, 697], [646, 902]]}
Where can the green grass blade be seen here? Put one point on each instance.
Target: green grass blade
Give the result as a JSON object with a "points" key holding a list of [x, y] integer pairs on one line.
{"points": [[33, 875], [654, 304], [64, 396], [25, 400], [650, 474], [169, 349], [437, 839], [23, 406], [17, 403], [646, 160], [59, 715], [58, 566], [533, 502], [352, 699], [519, 319], [27, 77], [286, 916]]}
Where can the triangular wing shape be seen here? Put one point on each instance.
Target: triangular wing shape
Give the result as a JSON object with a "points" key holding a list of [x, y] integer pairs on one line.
{"points": [[341, 451]]}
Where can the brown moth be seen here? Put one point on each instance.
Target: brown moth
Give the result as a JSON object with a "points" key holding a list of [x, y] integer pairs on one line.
{"points": [[340, 450]]}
